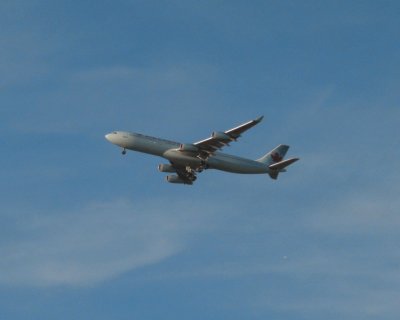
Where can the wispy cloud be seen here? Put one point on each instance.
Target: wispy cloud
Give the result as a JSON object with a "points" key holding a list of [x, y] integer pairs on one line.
{"points": [[337, 257], [359, 213], [88, 245]]}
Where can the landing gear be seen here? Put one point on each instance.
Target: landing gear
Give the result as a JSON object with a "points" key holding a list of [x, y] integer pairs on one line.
{"points": [[191, 174], [203, 166], [124, 151]]}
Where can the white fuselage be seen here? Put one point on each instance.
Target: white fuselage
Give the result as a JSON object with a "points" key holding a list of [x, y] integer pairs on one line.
{"points": [[170, 151]]}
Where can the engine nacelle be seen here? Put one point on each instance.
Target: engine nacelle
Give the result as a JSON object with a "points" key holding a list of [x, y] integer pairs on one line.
{"points": [[176, 179], [220, 136], [166, 168], [188, 148]]}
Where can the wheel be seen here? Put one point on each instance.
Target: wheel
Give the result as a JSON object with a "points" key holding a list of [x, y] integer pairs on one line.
{"points": [[124, 152]]}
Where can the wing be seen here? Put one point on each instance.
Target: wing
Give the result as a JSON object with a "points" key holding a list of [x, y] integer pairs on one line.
{"points": [[218, 140], [186, 174]]}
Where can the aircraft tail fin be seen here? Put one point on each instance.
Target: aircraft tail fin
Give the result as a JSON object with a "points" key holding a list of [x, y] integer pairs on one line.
{"points": [[275, 155], [274, 160]]}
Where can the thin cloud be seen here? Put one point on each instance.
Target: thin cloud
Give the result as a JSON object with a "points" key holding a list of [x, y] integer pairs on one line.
{"points": [[89, 245]]}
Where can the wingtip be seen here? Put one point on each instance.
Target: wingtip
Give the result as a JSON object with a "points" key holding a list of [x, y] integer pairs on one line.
{"points": [[259, 119]]}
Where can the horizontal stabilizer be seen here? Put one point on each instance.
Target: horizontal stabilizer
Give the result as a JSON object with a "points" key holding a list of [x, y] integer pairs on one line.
{"points": [[282, 164]]}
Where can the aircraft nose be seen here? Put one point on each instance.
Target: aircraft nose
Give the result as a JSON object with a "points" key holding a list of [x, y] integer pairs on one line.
{"points": [[108, 136]]}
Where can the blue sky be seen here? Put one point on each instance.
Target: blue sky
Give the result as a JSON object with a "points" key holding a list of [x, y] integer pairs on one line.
{"points": [[87, 233]]}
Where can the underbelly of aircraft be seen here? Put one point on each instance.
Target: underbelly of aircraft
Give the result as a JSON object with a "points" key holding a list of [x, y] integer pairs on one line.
{"points": [[236, 166], [224, 163]]}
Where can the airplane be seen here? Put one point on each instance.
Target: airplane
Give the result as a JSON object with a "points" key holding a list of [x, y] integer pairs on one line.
{"points": [[188, 159]]}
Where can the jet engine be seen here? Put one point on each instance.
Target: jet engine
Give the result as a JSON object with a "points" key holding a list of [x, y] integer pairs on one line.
{"points": [[166, 168], [188, 148], [220, 136], [176, 179]]}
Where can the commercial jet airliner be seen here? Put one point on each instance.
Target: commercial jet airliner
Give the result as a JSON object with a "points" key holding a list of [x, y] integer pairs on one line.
{"points": [[186, 160]]}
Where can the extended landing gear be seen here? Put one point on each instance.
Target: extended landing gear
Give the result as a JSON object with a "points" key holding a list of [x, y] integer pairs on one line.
{"points": [[203, 166], [191, 174], [123, 151]]}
